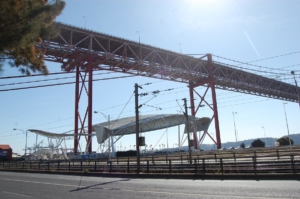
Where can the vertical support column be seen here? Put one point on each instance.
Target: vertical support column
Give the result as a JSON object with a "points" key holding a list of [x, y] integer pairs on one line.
{"points": [[214, 99], [90, 105], [191, 89], [76, 110]]}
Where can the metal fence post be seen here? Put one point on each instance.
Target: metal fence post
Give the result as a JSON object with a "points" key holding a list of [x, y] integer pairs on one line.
{"points": [[170, 166], [152, 160], [9, 164], [196, 166], [215, 157], [234, 157], [69, 165], [58, 165], [128, 165], [292, 164], [166, 158], [277, 154], [30, 165], [147, 166], [95, 166], [48, 165], [81, 165], [39, 165], [203, 166], [181, 158], [221, 166], [254, 164], [110, 166]]}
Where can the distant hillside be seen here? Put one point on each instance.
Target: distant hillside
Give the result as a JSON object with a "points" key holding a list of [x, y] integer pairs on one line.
{"points": [[270, 142]]}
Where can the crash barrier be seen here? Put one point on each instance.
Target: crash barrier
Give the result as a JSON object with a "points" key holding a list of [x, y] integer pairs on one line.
{"points": [[213, 162]]}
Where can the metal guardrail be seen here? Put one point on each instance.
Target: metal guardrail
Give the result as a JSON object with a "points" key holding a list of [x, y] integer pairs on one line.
{"points": [[211, 162]]}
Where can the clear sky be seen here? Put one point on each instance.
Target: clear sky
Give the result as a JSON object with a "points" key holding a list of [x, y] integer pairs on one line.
{"points": [[245, 31]]}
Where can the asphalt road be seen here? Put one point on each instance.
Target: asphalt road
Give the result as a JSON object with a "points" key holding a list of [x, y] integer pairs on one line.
{"points": [[43, 186]]}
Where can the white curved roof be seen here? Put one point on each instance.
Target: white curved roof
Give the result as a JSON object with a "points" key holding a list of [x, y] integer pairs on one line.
{"points": [[147, 123], [52, 135], [125, 126]]}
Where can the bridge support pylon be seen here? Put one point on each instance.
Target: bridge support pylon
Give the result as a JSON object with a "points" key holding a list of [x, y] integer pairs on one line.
{"points": [[210, 84], [82, 78]]}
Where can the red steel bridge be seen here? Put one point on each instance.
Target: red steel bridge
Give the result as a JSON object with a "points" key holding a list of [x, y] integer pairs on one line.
{"points": [[84, 51]]}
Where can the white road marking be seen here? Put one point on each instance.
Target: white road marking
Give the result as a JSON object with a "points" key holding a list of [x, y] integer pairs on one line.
{"points": [[47, 183], [17, 194]]}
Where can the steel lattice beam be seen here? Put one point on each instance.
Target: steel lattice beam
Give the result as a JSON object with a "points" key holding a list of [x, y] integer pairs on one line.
{"points": [[120, 55]]}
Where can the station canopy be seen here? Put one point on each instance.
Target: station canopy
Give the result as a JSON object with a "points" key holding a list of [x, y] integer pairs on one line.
{"points": [[125, 126]]}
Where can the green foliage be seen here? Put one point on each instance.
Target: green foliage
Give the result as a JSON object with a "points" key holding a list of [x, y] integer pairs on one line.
{"points": [[284, 141], [1, 67], [22, 25], [242, 145], [258, 143]]}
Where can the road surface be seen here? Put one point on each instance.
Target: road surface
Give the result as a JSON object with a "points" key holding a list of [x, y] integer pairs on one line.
{"points": [[44, 186]]}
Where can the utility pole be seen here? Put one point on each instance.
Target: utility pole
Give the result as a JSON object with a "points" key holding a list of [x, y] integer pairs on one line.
{"points": [[187, 130], [137, 127]]}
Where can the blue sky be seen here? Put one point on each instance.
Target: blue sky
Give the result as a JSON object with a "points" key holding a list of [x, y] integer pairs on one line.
{"points": [[244, 31]]}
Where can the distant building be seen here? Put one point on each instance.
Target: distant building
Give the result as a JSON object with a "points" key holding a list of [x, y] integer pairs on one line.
{"points": [[5, 152]]}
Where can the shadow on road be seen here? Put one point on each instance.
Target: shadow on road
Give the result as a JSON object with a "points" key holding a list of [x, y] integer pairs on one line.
{"points": [[91, 186]]}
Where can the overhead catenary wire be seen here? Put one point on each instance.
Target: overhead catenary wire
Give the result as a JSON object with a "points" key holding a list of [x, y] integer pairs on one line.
{"points": [[256, 70], [45, 80], [165, 108], [249, 64], [168, 101], [65, 83], [282, 55]]}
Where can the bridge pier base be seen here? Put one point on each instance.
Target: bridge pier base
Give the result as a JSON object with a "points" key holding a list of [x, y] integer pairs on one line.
{"points": [[209, 83]]}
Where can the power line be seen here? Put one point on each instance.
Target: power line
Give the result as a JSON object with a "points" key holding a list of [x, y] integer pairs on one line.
{"points": [[274, 57], [249, 65], [165, 108], [35, 75], [59, 84], [44, 80]]}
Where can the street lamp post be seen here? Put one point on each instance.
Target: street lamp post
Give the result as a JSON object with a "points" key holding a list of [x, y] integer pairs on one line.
{"points": [[293, 73], [265, 135], [26, 139], [180, 48], [233, 113], [139, 36], [287, 126]]}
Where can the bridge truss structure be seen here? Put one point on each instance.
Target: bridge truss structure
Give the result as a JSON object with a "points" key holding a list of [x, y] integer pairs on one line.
{"points": [[84, 51]]}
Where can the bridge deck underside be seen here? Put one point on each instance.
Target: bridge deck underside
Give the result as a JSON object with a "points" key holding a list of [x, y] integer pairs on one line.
{"points": [[74, 46]]}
